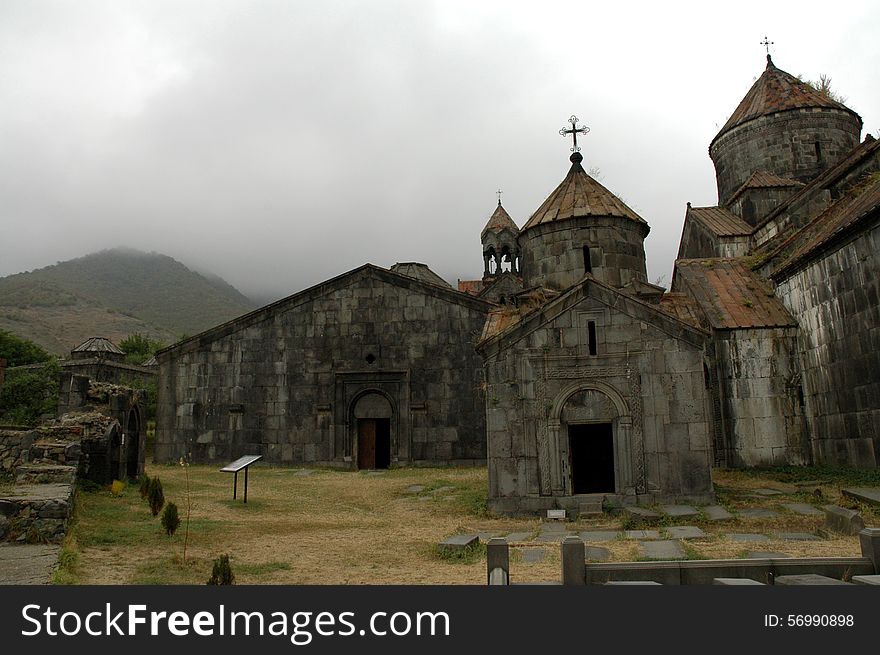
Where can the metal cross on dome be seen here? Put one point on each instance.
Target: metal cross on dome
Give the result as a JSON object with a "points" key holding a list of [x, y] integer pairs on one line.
{"points": [[499, 196], [767, 43], [574, 131]]}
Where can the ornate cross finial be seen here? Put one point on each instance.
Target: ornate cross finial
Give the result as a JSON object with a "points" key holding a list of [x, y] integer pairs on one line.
{"points": [[574, 131], [498, 193], [767, 43]]}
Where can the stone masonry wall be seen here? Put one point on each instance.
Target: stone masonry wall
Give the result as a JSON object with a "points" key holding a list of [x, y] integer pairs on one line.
{"points": [[284, 386], [783, 144], [836, 301], [552, 254], [654, 373], [759, 386]]}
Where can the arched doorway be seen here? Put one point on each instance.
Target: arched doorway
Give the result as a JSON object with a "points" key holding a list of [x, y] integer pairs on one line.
{"points": [[132, 444], [373, 415]]}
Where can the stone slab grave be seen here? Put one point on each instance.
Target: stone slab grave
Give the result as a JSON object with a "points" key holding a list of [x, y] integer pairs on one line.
{"points": [[679, 510], [766, 554], [766, 492], [717, 513], [641, 534], [596, 554], [304, 473], [459, 542], [27, 564], [553, 536], [866, 579], [662, 550], [869, 495], [600, 535], [736, 582], [685, 532], [514, 537], [842, 520], [533, 555], [747, 537], [796, 536], [807, 579], [625, 583], [803, 509], [641, 515], [415, 489], [757, 513]]}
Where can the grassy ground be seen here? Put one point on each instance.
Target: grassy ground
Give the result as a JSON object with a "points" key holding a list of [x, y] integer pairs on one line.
{"points": [[341, 527]]}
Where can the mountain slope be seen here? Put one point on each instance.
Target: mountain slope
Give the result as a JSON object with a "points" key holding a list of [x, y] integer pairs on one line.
{"points": [[114, 293]]}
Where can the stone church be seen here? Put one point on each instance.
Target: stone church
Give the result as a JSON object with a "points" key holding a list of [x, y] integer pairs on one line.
{"points": [[563, 367]]}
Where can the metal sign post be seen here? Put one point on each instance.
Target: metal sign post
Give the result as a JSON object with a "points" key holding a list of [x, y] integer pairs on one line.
{"points": [[235, 467]]}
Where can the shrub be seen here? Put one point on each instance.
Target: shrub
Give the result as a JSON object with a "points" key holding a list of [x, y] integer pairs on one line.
{"points": [[222, 572], [117, 487], [170, 519], [145, 486], [155, 496]]}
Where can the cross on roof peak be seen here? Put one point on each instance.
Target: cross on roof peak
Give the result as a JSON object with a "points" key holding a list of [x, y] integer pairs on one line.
{"points": [[574, 131], [498, 193], [767, 43]]}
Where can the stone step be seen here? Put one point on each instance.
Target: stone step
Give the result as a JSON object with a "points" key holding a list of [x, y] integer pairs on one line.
{"points": [[44, 473]]}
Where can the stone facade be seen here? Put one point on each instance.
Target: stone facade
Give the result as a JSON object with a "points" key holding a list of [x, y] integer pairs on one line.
{"points": [[798, 144], [546, 395], [554, 253], [372, 359]]}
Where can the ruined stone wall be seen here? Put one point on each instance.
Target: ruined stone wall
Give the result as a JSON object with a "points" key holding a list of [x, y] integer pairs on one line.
{"points": [[759, 392], [650, 382], [552, 253], [836, 301], [783, 144], [15, 447], [285, 386]]}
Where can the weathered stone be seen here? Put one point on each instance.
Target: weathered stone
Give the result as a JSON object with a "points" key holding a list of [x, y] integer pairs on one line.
{"points": [[573, 562], [661, 550], [519, 536], [807, 579], [679, 510], [685, 532], [796, 536], [533, 555], [596, 554], [641, 534], [866, 579], [736, 582], [717, 513], [842, 520], [869, 495], [757, 513], [459, 542], [803, 509], [767, 492], [600, 535], [766, 554]]}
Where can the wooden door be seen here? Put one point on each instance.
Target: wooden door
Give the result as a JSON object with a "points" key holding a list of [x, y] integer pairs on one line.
{"points": [[366, 443]]}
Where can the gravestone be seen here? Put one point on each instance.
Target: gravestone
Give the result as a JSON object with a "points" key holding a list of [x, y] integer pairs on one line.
{"points": [[556, 514], [807, 579], [662, 550], [519, 536], [767, 492], [842, 520], [533, 555], [757, 513], [866, 579], [685, 532], [641, 534], [596, 554], [796, 536], [600, 535], [679, 510], [459, 542], [869, 495], [766, 554], [736, 582], [803, 509], [745, 537], [717, 513]]}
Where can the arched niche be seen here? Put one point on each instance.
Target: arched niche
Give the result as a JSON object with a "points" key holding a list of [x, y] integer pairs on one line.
{"points": [[374, 433]]}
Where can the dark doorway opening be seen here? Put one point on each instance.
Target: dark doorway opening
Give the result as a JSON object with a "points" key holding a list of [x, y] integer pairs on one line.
{"points": [[374, 443], [132, 445], [591, 453]]}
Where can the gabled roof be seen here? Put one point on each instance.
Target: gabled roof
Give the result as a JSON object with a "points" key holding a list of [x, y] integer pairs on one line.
{"points": [[719, 221], [731, 295], [764, 180], [420, 272], [498, 280], [506, 325], [862, 201], [472, 287], [777, 91], [98, 345], [499, 221], [447, 293], [580, 195], [681, 306]]}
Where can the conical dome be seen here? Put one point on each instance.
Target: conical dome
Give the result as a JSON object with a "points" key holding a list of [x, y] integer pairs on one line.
{"points": [[499, 221], [783, 126]]}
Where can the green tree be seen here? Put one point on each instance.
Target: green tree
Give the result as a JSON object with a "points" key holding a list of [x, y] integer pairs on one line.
{"points": [[221, 573], [139, 348], [26, 396], [156, 497], [170, 519], [18, 351]]}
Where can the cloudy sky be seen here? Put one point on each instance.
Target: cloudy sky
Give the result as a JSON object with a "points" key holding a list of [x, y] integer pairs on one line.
{"points": [[277, 143]]}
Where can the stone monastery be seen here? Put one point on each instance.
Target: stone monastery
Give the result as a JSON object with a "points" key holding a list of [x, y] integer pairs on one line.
{"points": [[563, 367]]}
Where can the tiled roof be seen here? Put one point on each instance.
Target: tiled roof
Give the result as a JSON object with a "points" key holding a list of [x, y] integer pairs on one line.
{"points": [[499, 320], [580, 195], [682, 307], [420, 272], [860, 202], [98, 345], [777, 91], [731, 295], [473, 287], [720, 221], [500, 220], [765, 180]]}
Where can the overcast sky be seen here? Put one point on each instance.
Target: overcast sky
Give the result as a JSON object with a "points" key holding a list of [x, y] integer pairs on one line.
{"points": [[280, 143]]}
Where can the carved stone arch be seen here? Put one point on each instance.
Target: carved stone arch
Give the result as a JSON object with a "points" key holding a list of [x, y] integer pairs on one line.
{"points": [[362, 406], [373, 421], [569, 390]]}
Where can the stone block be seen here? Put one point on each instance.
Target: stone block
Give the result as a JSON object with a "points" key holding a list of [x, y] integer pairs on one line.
{"points": [[685, 532], [803, 509], [459, 542], [747, 537], [600, 535], [842, 520], [662, 550], [757, 513], [869, 540], [736, 582], [717, 513], [868, 495], [679, 510], [866, 579], [596, 554], [766, 554], [807, 579], [573, 562]]}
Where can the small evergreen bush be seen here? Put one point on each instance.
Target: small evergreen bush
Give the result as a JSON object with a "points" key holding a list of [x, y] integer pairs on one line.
{"points": [[156, 497], [144, 489], [170, 519], [222, 572]]}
